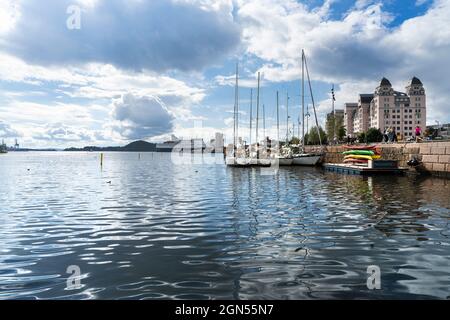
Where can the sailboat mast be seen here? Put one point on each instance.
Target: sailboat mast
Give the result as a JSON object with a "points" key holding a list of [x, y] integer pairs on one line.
{"points": [[257, 115], [278, 120], [303, 98], [251, 119], [234, 114], [237, 103], [264, 121], [312, 100], [287, 118]]}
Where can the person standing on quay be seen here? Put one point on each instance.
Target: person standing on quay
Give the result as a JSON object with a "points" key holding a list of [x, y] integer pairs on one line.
{"points": [[418, 133]]}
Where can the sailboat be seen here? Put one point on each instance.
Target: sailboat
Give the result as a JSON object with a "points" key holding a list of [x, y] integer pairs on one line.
{"points": [[303, 158], [284, 154], [237, 158]]}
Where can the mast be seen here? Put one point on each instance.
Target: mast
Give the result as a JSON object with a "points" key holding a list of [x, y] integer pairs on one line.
{"points": [[287, 118], [278, 121], [303, 98], [312, 99], [251, 115], [264, 121], [237, 103], [234, 114], [334, 113], [257, 118]]}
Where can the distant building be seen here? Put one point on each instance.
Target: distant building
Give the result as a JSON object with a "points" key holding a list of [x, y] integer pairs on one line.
{"points": [[349, 116], [190, 145], [218, 142], [388, 108]]}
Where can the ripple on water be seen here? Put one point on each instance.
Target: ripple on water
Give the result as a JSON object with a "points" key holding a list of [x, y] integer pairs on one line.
{"points": [[166, 231]]}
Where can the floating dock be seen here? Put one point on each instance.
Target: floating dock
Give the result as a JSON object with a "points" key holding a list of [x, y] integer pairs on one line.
{"points": [[361, 170]]}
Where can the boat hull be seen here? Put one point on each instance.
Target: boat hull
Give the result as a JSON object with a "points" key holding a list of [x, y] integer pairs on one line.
{"points": [[285, 161], [237, 162], [306, 160]]}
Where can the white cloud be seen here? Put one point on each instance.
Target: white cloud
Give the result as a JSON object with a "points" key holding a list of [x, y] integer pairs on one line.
{"points": [[358, 48], [140, 117]]}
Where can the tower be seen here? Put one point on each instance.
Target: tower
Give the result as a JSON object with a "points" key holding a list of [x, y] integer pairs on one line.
{"points": [[416, 93]]}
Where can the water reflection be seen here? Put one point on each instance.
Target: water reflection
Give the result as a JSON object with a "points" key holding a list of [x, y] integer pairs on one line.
{"points": [[146, 228]]}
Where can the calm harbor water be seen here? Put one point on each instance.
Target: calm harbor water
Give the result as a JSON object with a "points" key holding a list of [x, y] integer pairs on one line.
{"points": [[148, 228]]}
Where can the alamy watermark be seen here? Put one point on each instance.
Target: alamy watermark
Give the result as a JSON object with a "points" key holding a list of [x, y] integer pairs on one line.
{"points": [[73, 282], [374, 279], [73, 22]]}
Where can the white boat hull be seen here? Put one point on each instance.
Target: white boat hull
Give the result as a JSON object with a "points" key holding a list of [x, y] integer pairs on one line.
{"points": [[237, 162], [285, 161], [306, 160]]}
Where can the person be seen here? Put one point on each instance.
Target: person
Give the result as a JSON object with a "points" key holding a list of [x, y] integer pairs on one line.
{"points": [[394, 135], [386, 135], [390, 135], [418, 133]]}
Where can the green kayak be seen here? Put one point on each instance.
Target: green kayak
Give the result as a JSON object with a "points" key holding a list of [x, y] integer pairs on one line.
{"points": [[360, 152]]}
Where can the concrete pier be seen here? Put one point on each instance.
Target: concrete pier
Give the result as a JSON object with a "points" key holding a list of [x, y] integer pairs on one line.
{"points": [[434, 155]]}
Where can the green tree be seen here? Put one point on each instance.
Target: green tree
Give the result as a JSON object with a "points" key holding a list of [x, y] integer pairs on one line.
{"points": [[342, 133], [362, 137], [294, 140], [374, 135], [334, 125], [312, 137]]}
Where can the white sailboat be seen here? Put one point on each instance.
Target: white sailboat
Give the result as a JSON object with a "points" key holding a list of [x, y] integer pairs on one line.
{"points": [[303, 158], [284, 154], [238, 157]]}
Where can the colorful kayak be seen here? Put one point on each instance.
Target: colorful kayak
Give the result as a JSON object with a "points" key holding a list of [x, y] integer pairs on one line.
{"points": [[360, 152], [355, 161], [360, 147], [357, 156]]}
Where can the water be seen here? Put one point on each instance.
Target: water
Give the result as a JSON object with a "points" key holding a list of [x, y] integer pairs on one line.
{"points": [[161, 230]]}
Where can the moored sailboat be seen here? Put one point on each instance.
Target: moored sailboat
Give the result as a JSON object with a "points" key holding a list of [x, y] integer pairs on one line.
{"points": [[304, 158]]}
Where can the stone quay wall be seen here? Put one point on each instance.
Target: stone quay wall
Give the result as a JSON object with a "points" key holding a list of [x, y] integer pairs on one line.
{"points": [[435, 156]]}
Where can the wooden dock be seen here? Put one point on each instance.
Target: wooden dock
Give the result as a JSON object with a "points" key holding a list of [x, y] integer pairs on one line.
{"points": [[361, 170]]}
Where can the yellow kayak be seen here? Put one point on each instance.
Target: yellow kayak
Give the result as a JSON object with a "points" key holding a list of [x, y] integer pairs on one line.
{"points": [[359, 156]]}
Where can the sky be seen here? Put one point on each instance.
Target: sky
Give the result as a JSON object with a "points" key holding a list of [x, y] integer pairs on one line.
{"points": [[108, 72]]}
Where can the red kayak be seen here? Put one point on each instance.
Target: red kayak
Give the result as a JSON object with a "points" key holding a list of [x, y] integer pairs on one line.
{"points": [[360, 147], [355, 161]]}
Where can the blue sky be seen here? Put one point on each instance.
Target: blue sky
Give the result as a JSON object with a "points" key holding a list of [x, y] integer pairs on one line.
{"points": [[149, 69]]}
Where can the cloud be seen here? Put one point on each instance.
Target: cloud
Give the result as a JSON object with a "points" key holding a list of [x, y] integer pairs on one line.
{"points": [[141, 117], [6, 131], [360, 47], [156, 35], [58, 132]]}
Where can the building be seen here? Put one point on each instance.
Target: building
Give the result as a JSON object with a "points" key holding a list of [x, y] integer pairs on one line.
{"points": [[219, 142], [180, 145], [349, 116], [387, 108]]}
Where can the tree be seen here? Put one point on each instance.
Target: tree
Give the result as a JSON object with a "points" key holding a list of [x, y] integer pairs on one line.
{"points": [[334, 125], [312, 137], [294, 140], [362, 137], [342, 132], [374, 135]]}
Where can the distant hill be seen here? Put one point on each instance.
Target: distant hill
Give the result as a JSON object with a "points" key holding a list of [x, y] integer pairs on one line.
{"points": [[136, 146]]}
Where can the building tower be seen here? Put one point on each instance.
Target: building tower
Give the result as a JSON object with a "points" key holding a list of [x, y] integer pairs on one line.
{"points": [[417, 110]]}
